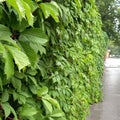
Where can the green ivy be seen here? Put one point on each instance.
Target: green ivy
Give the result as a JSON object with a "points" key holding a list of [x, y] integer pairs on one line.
{"points": [[51, 59]]}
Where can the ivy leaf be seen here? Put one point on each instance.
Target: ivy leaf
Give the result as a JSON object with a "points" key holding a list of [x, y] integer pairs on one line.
{"points": [[51, 100], [50, 118], [34, 35], [31, 72], [5, 96], [28, 14], [33, 89], [47, 105], [15, 95], [16, 83], [19, 75], [9, 65], [50, 9], [20, 58], [36, 38], [27, 110], [57, 7], [23, 9], [4, 30], [57, 113], [22, 99], [42, 91], [32, 4], [34, 81], [14, 113], [18, 5], [38, 47], [30, 53], [8, 109], [5, 35]]}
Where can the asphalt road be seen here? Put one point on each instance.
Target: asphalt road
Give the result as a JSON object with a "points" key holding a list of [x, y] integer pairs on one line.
{"points": [[109, 109]]}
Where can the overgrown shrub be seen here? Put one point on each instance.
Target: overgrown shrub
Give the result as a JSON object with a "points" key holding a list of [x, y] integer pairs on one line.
{"points": [[51, 55]]}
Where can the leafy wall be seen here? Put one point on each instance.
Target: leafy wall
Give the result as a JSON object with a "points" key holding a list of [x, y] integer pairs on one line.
{"points": [[51, 59]]}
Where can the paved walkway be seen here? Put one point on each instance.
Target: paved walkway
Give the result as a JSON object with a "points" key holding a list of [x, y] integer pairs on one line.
{"points": [[109, 109]]}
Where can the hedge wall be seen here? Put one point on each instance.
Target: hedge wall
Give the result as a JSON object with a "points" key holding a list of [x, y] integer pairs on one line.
{"points": [[51, 59]]}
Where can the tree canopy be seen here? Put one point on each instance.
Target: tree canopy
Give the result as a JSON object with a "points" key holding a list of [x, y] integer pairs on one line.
{"points": [[110, 14]]}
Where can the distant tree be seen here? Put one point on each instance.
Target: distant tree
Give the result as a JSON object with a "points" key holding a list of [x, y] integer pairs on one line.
{"points": [[110, 14]]}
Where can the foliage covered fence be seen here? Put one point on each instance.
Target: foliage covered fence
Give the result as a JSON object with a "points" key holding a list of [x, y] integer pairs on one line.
{"points": [[51, 59]]}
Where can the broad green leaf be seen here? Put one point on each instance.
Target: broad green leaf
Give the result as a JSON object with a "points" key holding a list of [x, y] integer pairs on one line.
{"points": [[23, 9], [39, 115], [18, 25], [15, 95], [38, 47], [47, 105], [8, 109], [31, 72], [22, 99], [30, 53], [7, 39], [20, 58], [57, 113], [41, 49], [27, 110], [19, 75], [57, 6], [50, 9], [28, 13], [18, 5], [14, 113], [34, 81], [8, 60], [36, 38], [32, 4], [51, 100], [5, 96], [3, 29], [42, 69], [42, 91], [34, 35], [5, 35], [24, 94], [16, 83], [50, 118], [33, 89], [9, 65]]}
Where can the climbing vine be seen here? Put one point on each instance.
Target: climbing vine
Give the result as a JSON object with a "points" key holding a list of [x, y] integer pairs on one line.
{"points": [[51, 59]]}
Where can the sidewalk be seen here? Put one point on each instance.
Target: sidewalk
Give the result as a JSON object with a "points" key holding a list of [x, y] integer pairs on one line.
{"points": [[109, 109]]}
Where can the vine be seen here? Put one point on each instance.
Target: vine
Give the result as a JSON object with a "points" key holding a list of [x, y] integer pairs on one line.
{"points": [[51, 59]]}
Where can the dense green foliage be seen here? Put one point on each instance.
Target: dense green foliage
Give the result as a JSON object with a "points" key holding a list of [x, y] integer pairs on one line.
{"points": [[51, 59], [114, 49], [110, 14]]}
